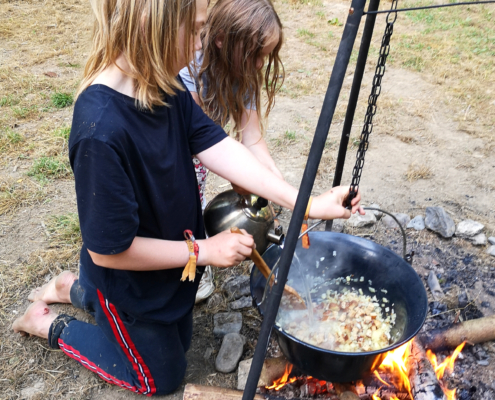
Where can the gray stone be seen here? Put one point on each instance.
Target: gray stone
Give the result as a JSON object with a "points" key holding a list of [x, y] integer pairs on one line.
{"points": [[468, 228], [417, 223], [243, 302], [479, 239], [378, 214], [224, 323], [242, 373], [230, 352], [491, 240], [360, 221], [338, 225], [437, 220], [237, 287], [491, 250], [389, 222]]}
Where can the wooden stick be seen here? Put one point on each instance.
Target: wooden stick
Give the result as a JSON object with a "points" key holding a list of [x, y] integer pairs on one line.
{"points": [[424, 382], [474, 331], [265, 269], [199, 392]]}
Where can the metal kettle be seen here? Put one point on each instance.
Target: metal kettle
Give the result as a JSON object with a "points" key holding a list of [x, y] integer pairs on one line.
{"points": [[249, 212]]}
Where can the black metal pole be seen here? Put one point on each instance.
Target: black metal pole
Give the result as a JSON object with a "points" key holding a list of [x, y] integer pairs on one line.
{"points": [[321, 133], [354, 95]]}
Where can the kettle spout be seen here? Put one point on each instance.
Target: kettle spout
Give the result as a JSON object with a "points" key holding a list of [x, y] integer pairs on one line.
{"points": [[276, 235]]}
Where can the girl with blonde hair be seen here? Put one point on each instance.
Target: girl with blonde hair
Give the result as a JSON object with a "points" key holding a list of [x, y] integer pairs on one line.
{"points": [[134, 130]]}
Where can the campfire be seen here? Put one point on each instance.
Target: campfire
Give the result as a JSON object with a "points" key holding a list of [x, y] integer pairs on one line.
{"points": [[402, 375]]}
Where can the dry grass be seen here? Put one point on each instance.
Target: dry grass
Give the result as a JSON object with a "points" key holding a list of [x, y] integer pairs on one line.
{"points": [[44, 46], [418, 171], [19, 193]]}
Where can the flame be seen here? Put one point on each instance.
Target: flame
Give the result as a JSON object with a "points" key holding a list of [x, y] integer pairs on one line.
{"points": [[446, 366], [281, 382], [395, 362]]}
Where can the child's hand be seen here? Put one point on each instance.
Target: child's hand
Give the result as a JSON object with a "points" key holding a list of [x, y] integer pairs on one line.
{"points": [[329, 204], [225, 249]]}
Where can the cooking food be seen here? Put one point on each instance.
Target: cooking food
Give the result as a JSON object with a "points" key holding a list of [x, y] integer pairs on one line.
{"points": [[345, 320]]}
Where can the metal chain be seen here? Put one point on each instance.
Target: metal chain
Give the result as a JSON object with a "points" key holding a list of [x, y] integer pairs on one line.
{"points": [[371, 110]]}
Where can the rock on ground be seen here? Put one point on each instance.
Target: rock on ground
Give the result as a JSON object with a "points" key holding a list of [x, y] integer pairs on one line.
{"points": [[468, 228], [237, 287], [491, 240], [225, 323], [491, 250], [437, 220], [417, 223], [479, 240], [243, 302], [338, 225], [389, 222], [378, 214], [230, 352], [361, 221]]}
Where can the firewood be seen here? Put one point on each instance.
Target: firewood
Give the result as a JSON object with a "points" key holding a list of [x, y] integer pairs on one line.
{"points": [[434, 286], [273, 369], [474, 331], [424, 382], [199, 392]]}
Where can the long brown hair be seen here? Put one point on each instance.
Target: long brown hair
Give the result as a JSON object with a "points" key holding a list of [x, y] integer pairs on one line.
{"points": [[232, 80], [146, 33]]}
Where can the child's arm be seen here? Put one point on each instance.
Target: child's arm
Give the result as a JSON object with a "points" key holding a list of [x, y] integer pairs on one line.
{"points": [[145, 254], [234, 162], [252, 139]]}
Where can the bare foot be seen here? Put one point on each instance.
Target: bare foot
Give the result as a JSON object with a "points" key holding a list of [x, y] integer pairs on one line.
{"points": [[35, 321], [55, 291]]}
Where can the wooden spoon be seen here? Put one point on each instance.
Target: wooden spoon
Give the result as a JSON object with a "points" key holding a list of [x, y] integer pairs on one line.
{"points": [[265, 270]]}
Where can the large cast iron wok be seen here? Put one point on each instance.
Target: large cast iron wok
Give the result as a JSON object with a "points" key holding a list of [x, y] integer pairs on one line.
{"points": [[334, 255]]}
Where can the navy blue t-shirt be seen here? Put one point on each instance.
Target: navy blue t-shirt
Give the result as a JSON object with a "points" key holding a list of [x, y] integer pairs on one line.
{"points": [[134, 177]]}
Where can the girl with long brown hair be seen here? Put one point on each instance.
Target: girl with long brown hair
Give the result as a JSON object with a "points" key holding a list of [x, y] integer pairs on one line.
{"points": [[133, 132], [239, 60]]}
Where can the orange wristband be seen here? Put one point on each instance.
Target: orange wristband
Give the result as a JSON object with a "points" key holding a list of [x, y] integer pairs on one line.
{"points": [[305, 238], [190, 268]]}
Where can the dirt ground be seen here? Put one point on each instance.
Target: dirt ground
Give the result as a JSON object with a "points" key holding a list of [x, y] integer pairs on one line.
{"points": [[433, 144]]}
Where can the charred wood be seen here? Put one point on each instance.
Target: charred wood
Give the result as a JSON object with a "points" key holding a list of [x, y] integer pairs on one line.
{"points": [[474, 331], [424, 382]]}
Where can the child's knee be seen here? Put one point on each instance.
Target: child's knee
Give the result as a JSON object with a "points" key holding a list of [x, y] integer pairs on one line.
{"points": [[170, 378]]}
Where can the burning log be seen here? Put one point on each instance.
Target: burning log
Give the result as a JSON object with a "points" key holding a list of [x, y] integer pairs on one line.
{"points": [[198, 392], [422, 377], [474, 331]]}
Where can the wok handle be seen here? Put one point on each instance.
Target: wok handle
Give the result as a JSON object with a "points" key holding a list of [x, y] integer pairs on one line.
{"points": [[406, 256]]}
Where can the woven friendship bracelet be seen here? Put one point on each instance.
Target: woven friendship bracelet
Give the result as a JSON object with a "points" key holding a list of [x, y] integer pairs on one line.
{"points": [[190, 268]]}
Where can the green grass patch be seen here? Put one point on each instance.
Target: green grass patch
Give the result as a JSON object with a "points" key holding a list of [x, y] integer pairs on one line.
{"points": [[8, 101], [64, 229], [290, 135], [335, 21], [49, 167], [62, 132], [24, 112], [305, 33], [62, 100], [9, 139]]}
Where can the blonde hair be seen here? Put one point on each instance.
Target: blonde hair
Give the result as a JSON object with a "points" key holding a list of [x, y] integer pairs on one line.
{"points": [[146, 33], [243, 26]]}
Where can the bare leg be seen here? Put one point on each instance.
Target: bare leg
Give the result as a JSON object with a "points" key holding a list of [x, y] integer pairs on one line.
{"points": [[55, 291], [35, 321]]}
